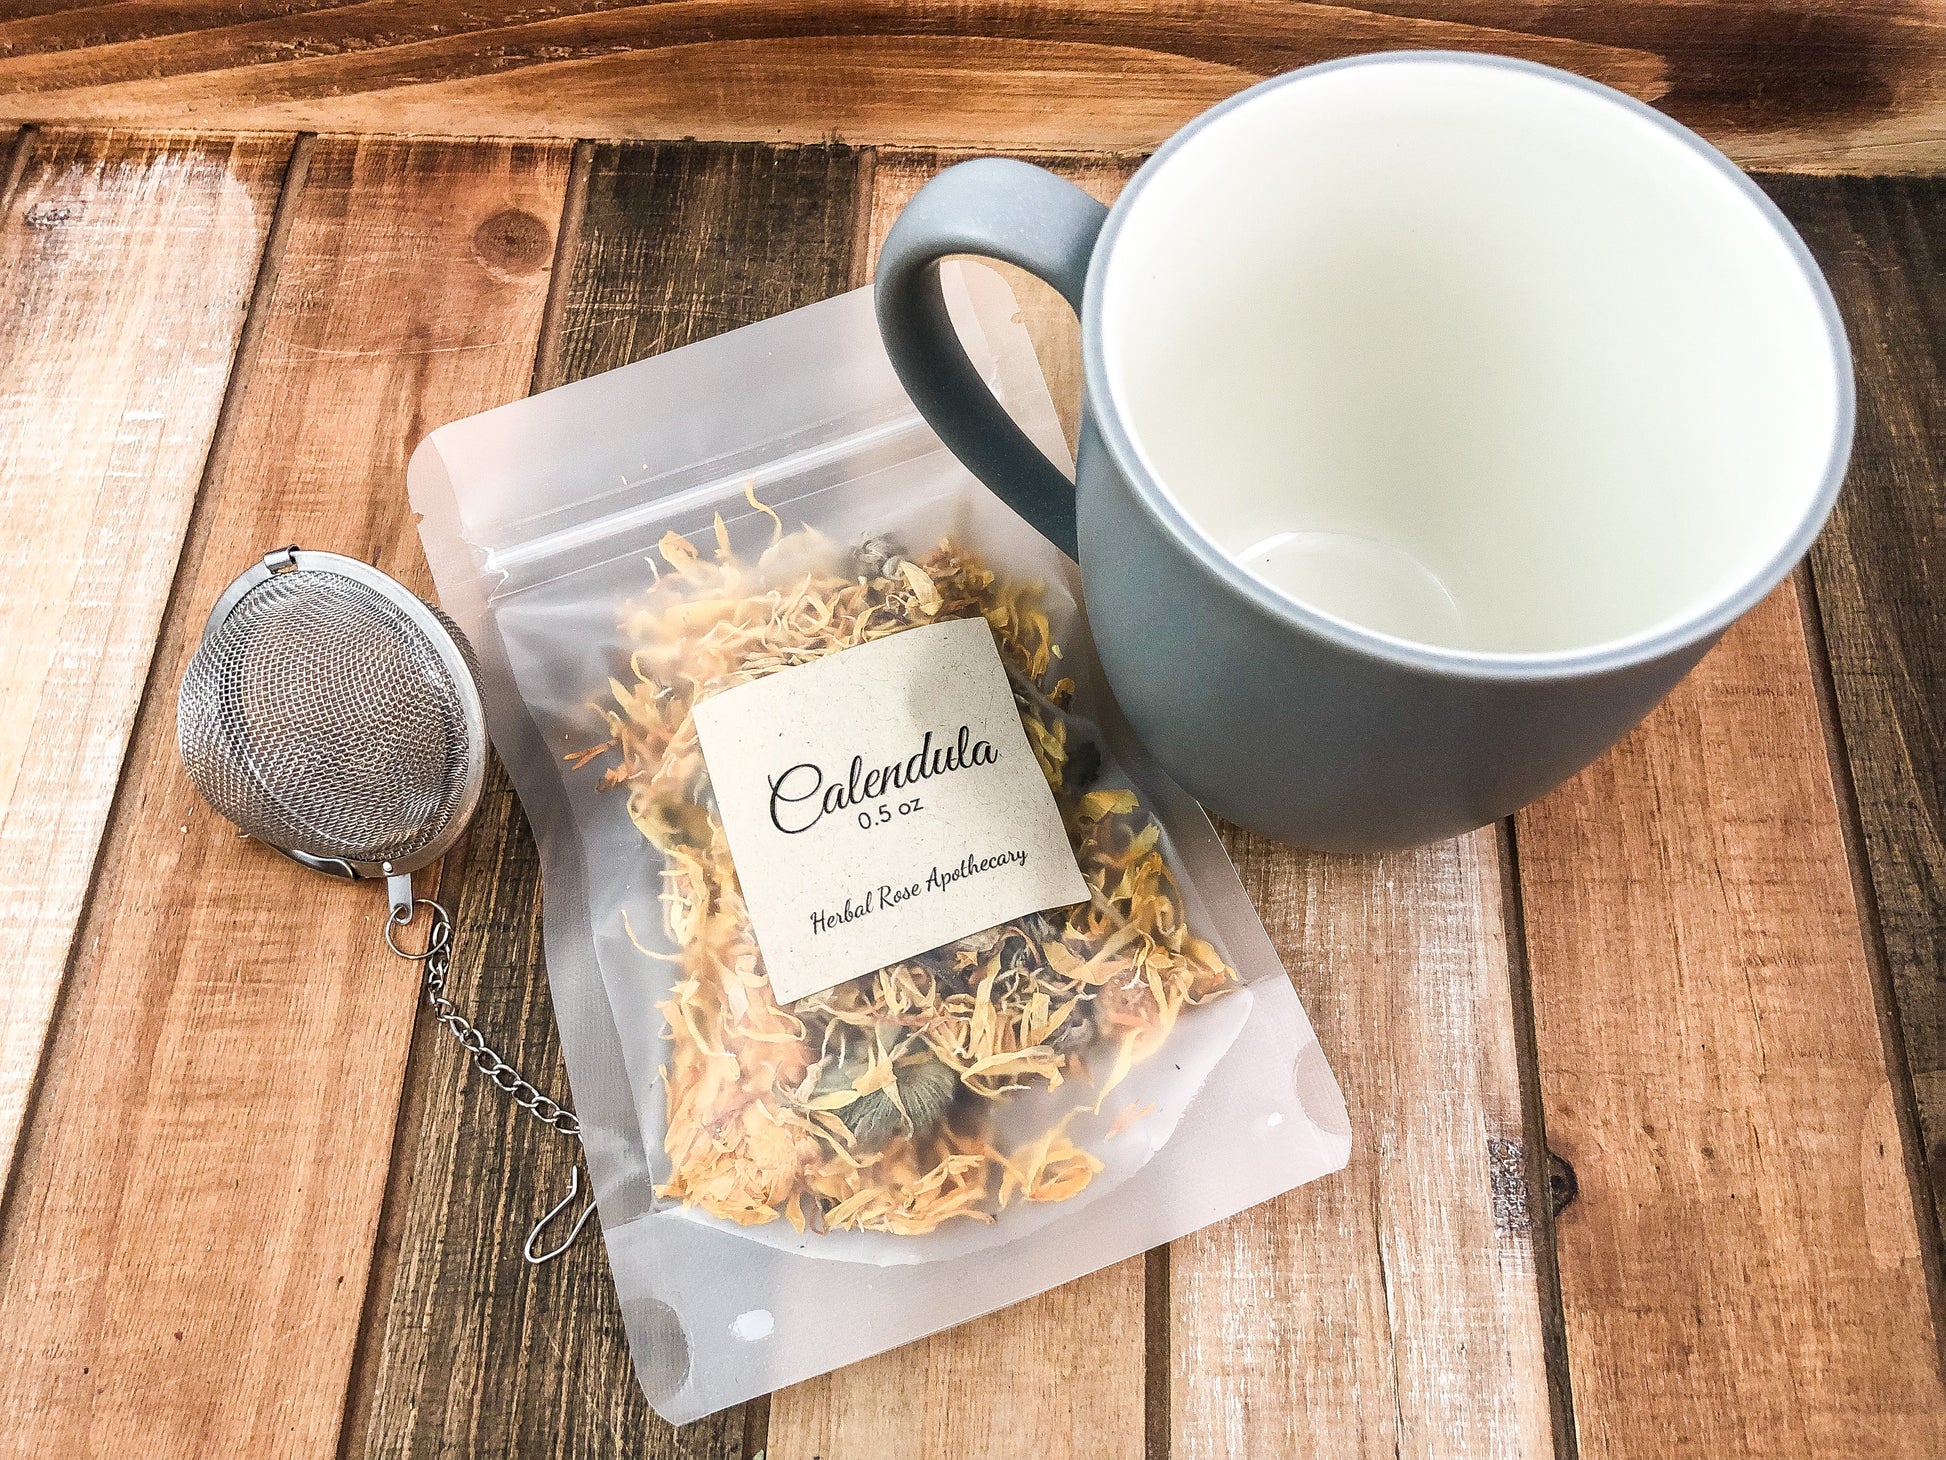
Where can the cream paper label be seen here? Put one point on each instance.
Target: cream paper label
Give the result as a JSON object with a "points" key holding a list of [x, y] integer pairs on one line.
{"points": [[882, 801]]}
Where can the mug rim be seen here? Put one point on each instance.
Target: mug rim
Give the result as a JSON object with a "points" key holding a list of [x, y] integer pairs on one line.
{"points": [[1701, 625]]}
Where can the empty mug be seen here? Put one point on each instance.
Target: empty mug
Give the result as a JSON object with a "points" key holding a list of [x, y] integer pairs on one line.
{"points": [[1441, 411]]}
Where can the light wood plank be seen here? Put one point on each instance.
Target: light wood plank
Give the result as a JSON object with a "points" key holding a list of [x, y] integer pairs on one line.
{"points": [[126, 266], [1392, 1309], [1822, 85], [1059, 1376], [186, 1249], [976, 1390], [675, 243], [1880, 571], [1741, 1273]]}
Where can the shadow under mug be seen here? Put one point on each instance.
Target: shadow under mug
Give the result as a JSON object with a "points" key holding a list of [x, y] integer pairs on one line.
{"points": [[1441, 411]]}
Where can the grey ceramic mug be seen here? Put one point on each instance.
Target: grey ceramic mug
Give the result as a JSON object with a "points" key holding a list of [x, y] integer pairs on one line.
{"points": [[1441, 411]]}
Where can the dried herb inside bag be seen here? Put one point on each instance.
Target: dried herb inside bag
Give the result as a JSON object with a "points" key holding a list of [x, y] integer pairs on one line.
{"points": [[871, 1106]]}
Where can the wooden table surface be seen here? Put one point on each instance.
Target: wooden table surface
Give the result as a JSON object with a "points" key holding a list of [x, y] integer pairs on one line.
{"points": [[1648, 1083]]}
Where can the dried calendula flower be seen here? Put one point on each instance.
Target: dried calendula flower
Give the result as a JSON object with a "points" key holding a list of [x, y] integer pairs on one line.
{"points": [[869, 1106]]}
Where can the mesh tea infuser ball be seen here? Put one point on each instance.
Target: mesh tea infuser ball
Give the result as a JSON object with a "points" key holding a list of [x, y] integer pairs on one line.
{"points": [[336, 717]]}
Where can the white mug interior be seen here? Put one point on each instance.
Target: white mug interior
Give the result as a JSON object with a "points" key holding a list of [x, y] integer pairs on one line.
{"points": [[1475, 356]]}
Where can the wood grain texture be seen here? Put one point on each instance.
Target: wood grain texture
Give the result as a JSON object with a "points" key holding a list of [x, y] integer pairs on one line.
{"points": [[126, 265], [1821, 85], [977, 1390], [468, 1351], [682, 242], [1880, 574], [1741, 1271], [1392, 1309], [186, 1246], [1058, 1376]]}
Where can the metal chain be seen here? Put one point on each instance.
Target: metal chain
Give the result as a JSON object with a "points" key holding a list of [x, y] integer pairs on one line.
{"points": [[437, 955]]}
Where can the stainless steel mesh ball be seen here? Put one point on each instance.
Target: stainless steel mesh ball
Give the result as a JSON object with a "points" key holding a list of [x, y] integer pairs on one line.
{"points": [[330, 713]]}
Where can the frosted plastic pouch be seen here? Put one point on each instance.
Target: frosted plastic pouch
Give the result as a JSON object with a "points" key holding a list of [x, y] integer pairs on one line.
{"points": [[541, 521]]}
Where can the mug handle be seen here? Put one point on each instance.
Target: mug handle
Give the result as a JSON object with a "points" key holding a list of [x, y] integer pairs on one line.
{"points": [[1001, 209]]}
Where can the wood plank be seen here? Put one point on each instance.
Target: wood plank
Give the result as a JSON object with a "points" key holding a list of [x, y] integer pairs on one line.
{"points": [[976, 1390], [1741, 1272], [185, 1252], [470, 1355], [126, 265], [1395, 1308], [1880, 575], [1822, 85]]}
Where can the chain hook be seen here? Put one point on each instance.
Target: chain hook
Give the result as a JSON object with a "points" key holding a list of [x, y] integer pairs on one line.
{"points": [[437, 957], [438, 938], [574, 1189]]}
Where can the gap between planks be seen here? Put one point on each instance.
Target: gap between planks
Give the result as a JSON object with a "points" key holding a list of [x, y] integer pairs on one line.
{"points": [[1541, 1159]]}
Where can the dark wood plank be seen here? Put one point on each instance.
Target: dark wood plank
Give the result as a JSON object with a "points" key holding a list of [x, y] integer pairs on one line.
{"points": [[1880, 576], [185, 1253], [1820, 85], [1741, 1272], [126, 265], [13, 160], [681, 242], [466, 1352]]}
